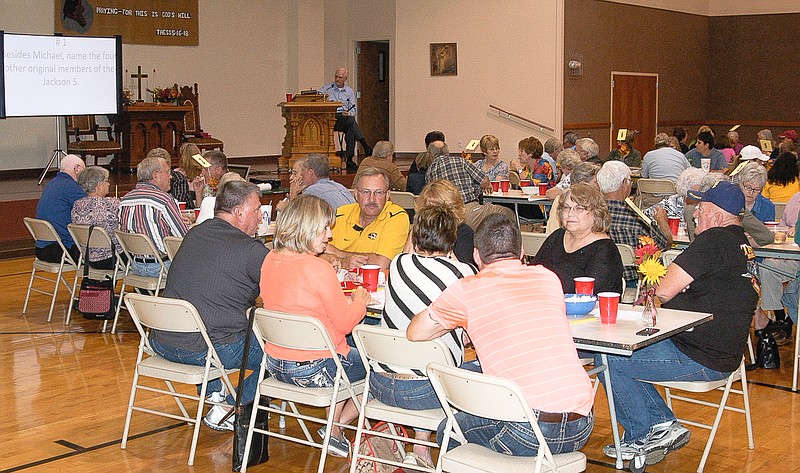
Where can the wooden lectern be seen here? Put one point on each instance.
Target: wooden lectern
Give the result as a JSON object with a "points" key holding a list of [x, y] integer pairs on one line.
{"points": [[145, 126], [309, 129]]}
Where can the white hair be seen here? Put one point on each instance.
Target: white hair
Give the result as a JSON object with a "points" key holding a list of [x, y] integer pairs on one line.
{"points": [[612, 175], [689, 179]]}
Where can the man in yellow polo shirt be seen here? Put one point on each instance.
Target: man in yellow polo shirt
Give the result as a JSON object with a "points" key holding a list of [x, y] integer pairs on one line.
{"points": [[371, 231]]}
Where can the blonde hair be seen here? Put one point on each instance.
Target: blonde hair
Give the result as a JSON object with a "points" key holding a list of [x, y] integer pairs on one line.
{"points": [[442, 193], [591, 198], [187, 163], [301, 222], [489, 141], [228, 177]]}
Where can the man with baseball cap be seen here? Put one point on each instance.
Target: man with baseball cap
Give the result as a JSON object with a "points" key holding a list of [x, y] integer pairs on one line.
{"points": [[711, 275], [788, 135]]}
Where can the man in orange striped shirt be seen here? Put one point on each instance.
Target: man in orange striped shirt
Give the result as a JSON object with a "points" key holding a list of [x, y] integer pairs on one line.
{"points": [[515, 316]]}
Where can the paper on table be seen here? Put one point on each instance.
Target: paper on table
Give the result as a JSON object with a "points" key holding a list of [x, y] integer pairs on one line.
{"points": [[378, 299], [632, 315]]}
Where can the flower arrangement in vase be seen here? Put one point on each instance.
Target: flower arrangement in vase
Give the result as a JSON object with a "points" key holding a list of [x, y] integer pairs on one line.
{"points": [[651, 270], [164, 95]]}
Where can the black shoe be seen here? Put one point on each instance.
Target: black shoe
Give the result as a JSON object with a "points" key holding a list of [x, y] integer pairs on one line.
{"points": [[367, 148], [351, 165], [767, 355]]}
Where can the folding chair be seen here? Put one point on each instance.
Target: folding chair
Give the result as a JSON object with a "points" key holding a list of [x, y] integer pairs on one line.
{"points": [[492, 398], [100, 239], [172, 243], [138, 245], [723, 385], [649, 191], [403, 199], [298, 332], [43, 230], [513, 179], [391, 347], [779, 208], [531, 242], [628, 260], [171, 315]]}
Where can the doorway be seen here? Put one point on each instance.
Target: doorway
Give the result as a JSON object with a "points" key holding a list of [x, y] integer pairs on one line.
{"points": [[372, 64], [634, 106]]}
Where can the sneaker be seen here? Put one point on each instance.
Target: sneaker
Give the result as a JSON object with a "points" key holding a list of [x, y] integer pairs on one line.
{"points": [[661, 440], [215, 415], [217, 396], [628, 450], [338, 447]]}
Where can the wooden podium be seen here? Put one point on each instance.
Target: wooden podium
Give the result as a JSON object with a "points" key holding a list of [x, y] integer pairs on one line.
{"points": [[147, 125], [309, 129]]}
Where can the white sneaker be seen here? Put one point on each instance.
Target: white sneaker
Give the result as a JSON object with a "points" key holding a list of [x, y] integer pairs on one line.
{"points": [[217, 396], [215, 415]]}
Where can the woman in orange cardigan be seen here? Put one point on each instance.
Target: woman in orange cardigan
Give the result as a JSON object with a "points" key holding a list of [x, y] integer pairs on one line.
{"points": [[295, 280]]}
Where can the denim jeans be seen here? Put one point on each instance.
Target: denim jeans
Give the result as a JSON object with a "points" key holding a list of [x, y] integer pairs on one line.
{"points": [[320, 373], [412, 394], [638, 404], [789, 299], [231, 356], [517, 438], [150, 270]]}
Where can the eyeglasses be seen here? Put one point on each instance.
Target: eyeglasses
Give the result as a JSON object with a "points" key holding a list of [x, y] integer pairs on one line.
{"points": [[756, 190], [577, 208], [367, 192]]}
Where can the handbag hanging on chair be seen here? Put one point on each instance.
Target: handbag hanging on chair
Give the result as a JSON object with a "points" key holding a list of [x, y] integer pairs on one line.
{"points": [[96, 298], [259, 451]]}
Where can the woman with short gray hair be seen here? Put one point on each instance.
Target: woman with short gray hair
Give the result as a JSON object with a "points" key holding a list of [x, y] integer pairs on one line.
{"points": [[97, 209], [752, 179]]}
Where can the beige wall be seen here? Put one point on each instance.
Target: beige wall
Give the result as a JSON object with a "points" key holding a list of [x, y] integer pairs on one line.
{"points": [[719, 7], [509, 55]]}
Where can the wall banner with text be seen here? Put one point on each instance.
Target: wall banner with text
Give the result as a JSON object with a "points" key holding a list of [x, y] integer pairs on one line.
{"points": [[162, 22]]}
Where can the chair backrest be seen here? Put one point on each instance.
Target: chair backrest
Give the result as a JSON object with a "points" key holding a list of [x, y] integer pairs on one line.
{"points": [[80, 233], [531, 242], [513, 178], [779, 208], [44, 231], [656, 186], [296, 332], [667, 257], [191, 119], [403, 199], [627, 253], [137, 244], [172, 243], [81, 125], [485, 396], [391, 347], [162, 313]]}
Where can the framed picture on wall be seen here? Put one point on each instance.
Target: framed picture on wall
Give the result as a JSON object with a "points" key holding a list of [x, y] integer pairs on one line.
{"points": [[444, 59]]}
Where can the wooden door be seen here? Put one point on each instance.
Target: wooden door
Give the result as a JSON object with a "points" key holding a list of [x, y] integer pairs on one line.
{"points": [[634, 105], [372, 62]]}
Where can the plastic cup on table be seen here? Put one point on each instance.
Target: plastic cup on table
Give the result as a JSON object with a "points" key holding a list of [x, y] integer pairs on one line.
{"points": [[524, 183], [705, 164], [288, 97], [182, 206], [504, 185], [543, 189], [584, 285], [674, 224], [495, 186], [609, 304], [369, 273], [781, 233], [196, 214]]}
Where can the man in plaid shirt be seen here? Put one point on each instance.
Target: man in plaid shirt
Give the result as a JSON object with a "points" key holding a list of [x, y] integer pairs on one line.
{"points": [[470, 180], [614, 180]]}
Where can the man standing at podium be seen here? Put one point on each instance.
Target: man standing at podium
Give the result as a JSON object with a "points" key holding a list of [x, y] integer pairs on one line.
{"points": [[346, 116]]}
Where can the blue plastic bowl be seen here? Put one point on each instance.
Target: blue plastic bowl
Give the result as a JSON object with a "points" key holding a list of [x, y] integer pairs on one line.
{"points": [[579, 308]]}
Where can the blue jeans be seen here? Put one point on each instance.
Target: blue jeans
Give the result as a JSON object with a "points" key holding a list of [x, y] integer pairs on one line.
{"points": [[412, 394], [517, 438], [231, 356], [150, 270], [638, 404], [320, 373], [789, 299]]}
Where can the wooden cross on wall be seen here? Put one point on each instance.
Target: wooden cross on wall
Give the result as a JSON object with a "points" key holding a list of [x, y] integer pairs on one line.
{"points": [[139, 76]]}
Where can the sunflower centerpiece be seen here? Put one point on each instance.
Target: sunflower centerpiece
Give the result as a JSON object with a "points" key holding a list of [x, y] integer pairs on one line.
{"points": [[651, 270]]}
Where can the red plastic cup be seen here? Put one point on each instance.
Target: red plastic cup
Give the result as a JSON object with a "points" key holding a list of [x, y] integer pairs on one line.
{"points": [[182, 205], [504, 185], [196, 214], [369, 273], [495, 186], [288, 97], [609, 304], [524, 183], [584, 285], [543, 189], [674, 223]]}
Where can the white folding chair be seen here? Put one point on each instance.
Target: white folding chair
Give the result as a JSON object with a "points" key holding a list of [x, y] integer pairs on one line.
{"points": [[779, 208], [513, 179], [137, 245], [44, 231], [391, 347], [629, 260], [171, 315], [172, 243], [403, 199], [667, 257], [723, 385], [298, 332], [100, 239], [649, 190], [492, 398], [532, 242]]}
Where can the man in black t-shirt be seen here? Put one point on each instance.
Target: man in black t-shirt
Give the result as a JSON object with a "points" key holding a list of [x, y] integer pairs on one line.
{"points": [[711, 275]]}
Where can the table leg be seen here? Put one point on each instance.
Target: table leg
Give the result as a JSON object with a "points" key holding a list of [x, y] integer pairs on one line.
{"points": [[612, 412]]}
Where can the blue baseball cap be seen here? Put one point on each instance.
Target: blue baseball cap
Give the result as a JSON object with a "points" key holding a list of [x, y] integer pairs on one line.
{"points": [[724, 195]]}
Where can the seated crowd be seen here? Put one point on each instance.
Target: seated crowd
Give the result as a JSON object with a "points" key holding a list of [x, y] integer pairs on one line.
{"points": [[454, 271]]}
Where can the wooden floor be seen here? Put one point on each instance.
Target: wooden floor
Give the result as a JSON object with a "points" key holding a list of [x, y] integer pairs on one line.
{"points": [[66, 390]]}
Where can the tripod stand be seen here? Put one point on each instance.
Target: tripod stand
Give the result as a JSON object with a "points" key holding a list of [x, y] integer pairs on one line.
{"points": [[58, 153]]}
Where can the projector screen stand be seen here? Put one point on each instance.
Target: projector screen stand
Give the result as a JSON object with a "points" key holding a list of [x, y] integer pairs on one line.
{"points": [[58, 153]]}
